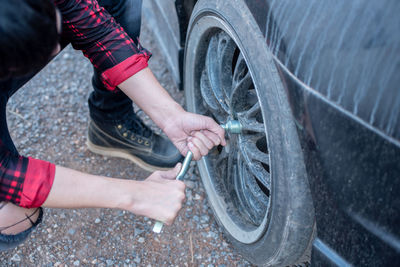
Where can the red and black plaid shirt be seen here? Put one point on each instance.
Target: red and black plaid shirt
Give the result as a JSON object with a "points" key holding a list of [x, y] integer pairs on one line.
{"points": [[27, 181]]}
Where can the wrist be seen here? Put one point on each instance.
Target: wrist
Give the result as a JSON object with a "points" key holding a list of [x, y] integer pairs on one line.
{"points": [[126, 200], [170, 116], [133, 197]]}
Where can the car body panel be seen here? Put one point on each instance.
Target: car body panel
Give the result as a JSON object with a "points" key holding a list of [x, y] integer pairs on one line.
{"points": [[168, 35], [346, 51], [352, 173], [340, 61]]}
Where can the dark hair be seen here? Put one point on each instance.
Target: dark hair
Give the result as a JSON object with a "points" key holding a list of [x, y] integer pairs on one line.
{"points": [[28, 35]]}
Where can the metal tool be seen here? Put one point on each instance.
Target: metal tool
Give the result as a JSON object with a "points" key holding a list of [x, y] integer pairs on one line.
{"points": [[185, 167], [232, 127]]}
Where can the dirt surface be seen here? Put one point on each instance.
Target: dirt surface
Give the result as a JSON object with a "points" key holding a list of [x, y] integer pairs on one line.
{"points": [[48, 120]]}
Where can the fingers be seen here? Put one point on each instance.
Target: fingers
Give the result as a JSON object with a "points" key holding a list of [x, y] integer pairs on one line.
{"points": [[195, 150], [207, 142], [176, 202], [174, 210], [160, 196], [199, 144], [213, 137], [215, 128], [171, 174]]}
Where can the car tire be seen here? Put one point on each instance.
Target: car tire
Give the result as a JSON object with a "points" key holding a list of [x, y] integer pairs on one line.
{"points": [[282, 232]]}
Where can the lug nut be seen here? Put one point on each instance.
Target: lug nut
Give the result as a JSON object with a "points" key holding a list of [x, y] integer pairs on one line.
{"points": [[232, 126]]}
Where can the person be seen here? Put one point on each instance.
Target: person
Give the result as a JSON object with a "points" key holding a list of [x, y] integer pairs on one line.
{"points": [[32, 32]]}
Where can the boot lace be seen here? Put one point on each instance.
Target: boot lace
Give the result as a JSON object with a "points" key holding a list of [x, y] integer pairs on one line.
{"points": [[136, 125]]}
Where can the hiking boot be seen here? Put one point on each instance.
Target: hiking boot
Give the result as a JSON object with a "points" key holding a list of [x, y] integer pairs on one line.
{"points": [[131, 139]]}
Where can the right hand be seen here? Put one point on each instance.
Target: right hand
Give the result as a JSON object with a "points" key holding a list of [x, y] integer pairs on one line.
{"points": [[194, 132], [162, 196]]}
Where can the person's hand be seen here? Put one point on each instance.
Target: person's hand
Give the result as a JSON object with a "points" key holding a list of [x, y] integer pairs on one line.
{"points": [[194, 132], [161, 197]]}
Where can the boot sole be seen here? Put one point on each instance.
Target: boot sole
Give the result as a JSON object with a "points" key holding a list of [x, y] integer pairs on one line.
{"points": [[119, 153]]}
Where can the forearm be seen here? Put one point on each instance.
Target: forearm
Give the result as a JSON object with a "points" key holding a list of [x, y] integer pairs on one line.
{"points": [[74, 189], [144, 89], [186, 130], [160, 196]]}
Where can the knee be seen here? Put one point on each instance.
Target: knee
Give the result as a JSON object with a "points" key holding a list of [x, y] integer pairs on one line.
{"points": [[16, 224], [14, 219]]}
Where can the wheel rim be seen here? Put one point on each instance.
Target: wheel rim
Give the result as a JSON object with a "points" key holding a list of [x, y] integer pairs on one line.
{"points": [[238, 176]]}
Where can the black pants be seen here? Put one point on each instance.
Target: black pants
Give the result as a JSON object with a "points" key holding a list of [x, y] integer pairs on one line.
{"points": [[103, 104]]}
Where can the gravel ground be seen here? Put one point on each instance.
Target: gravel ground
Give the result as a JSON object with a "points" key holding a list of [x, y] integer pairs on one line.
{"points": [[48, 120]]}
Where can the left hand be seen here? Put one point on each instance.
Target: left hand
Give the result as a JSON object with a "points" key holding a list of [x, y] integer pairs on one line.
{"points": [[194, 132]]}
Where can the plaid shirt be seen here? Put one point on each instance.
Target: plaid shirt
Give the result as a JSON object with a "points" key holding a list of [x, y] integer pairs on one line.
{"points": [[88, 27]]}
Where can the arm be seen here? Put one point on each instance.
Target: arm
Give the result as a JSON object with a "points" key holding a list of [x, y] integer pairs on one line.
{"points": [[119, 60], [160, 196], [89, 28], [186, 130], [29, 182]]}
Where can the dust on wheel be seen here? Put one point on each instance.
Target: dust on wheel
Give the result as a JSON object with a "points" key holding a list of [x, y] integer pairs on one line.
{"points": [[257, 185]]}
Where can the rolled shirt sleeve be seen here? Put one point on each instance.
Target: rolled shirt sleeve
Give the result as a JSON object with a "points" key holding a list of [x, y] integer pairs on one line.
{"points": [[102, 40], [24, 181]]}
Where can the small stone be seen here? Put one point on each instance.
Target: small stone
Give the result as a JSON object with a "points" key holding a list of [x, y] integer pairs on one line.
{"points": [[16, 258], [190, 184], [137, 260], [97, 220], [141, 240], [71, 231], [109, 262], [76, 263], [205, 218], [197, 197], [137, 232]]}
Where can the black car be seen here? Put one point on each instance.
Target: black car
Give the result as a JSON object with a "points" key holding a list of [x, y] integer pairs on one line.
{"points": [[315, 86]]}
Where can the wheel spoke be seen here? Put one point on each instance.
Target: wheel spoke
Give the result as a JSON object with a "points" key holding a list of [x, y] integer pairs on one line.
{"points": [[241, 70], [240, 188], [249, 119], [251, 124], [251, 195], [249, 147], [242, 85], [253, 111], [257, 160], [241, 76], [231, 166], [226, 50], [207, 93], [213, 70]]}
